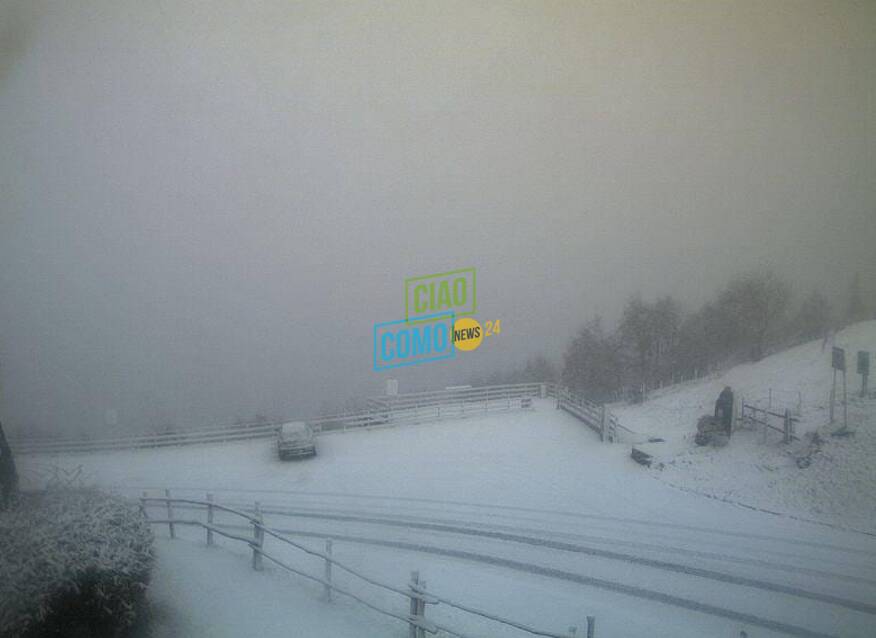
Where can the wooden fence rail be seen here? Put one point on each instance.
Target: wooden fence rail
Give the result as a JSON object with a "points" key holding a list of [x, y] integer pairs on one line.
{"points": [[405, 409], [761, 416], [415, 592], [384, 411], [595, 416]]}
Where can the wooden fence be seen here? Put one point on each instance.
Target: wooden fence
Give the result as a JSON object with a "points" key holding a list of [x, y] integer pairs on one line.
{"points": [[383, 411], [767, 419], [593, 415], [416, 595], [404, 409]]}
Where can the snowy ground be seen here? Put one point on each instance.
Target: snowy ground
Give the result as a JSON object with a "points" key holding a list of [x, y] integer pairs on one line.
{"points": [[524, 514], [839, 487]]}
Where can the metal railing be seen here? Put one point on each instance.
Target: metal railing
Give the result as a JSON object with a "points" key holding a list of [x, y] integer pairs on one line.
{"points": [[415, 593], [384, 411], [593, 415], [404, 409], [763, 417]]}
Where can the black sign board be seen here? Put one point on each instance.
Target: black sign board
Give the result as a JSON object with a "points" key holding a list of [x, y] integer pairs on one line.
{"points": [[838, 360], [863, 362]]}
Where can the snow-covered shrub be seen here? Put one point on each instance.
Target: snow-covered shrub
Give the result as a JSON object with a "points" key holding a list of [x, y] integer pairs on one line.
{"points": [[72, 562]]}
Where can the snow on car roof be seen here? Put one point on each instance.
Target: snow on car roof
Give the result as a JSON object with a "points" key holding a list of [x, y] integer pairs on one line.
{"points": [[294, 427]]}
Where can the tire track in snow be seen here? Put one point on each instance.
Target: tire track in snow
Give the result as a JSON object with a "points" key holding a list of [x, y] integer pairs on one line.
{"points": [[486, 506], [629, 590], [710, 574], [457, 524]]}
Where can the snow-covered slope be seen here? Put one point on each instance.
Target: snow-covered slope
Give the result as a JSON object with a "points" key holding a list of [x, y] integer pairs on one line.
{"points": [[839, 484], [525, 514]]}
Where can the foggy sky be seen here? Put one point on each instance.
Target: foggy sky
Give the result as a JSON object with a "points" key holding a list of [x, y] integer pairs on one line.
{"points": [[206, 206]]}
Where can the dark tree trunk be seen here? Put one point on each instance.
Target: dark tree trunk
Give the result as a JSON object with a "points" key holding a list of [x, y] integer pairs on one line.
{"points": [[8, 475]]}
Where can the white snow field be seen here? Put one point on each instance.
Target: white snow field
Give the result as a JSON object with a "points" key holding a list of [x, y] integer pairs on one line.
{"points": [[839, 487], [524, 514]]}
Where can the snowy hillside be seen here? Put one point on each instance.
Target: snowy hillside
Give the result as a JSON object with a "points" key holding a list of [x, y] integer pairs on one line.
{"points": [[839, 486]]}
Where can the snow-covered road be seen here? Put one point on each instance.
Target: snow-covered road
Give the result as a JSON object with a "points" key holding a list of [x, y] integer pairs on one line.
{"points": [[529, 516]]}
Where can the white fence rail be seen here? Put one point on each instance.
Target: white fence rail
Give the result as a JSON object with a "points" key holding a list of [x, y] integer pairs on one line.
{"points": [[415, 594], [593, 415], [383, 411], [404, 409]]}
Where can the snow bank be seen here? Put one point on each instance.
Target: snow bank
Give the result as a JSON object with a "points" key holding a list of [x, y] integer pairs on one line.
{"points": [[72, 560], [839, 484]]}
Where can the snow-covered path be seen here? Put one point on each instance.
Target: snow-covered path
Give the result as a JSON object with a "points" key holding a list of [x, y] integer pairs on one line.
{"points": [[529, 516]]}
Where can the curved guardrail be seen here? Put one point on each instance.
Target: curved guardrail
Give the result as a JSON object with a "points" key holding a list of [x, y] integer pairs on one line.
{"points": [[416, 593], [404, 409]]}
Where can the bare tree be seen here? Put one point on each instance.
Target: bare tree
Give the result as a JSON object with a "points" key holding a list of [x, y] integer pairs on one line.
{"points": [[855, 310], [592, 362], [650, 332], [637, 335], [813, 318], [752, 309]]}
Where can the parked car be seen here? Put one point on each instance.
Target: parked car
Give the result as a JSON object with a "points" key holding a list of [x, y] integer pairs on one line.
{"points": [[296, 439]]}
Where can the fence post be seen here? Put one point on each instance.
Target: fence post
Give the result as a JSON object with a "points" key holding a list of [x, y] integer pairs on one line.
{"points": [[542, 391], [209, 519], [787, 426], [421, 611], [169, 514], [258, 539], [591, 626], [328, 570], [143, 504], [602, 423], [415, 580]]}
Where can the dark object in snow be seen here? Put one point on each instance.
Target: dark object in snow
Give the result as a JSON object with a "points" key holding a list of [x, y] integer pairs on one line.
{"points": [[642, 458], [8, 475], [724, 410], [805, 460], [75, 563], [643, 453], [843, 432], [707, 427]]}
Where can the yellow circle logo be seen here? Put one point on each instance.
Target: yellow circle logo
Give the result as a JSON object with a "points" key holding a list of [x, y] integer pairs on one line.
{"points": [[467, 333]]}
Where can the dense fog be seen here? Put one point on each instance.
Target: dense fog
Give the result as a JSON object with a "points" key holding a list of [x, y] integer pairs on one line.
{"points": [[206, 208]]}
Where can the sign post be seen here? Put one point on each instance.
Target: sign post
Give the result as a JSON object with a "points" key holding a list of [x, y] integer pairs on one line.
{"points": [[864, 370], [837, 362]]}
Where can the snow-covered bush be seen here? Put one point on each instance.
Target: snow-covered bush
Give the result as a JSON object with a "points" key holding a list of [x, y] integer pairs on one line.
{"points": [[72, 562]]}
